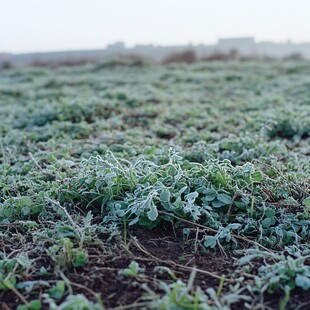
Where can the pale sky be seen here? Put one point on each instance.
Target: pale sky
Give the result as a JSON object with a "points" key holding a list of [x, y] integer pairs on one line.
{"points": [[49, 25]]}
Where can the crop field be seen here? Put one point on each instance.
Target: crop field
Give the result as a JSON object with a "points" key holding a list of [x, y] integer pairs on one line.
{"points": [[128, 185]]}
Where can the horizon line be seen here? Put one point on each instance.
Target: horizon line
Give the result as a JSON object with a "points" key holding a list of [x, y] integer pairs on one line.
{"points": [[131, 46]]}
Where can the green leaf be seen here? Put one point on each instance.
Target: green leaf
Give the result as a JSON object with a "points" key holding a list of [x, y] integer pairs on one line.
{"points": [[303, 281], [191, 197], [209, 242], [270, 213], [132, 270], [35, 304], [306, 202], [80, 259], [26, 201], [257, 176], [233, 226], [220, 178], [267, 222], [134, 221], [42, 272], [210, 194], [217, 204], [30, 285], [210, 197], [134, 266], [224, 198], [245, 259], [144, 221], [152, 214], [183, 189], [209, 191], [9, 282], [201, 189], [165, 196], [110, 175], [26, 210], [58, 290], [10, 265]]}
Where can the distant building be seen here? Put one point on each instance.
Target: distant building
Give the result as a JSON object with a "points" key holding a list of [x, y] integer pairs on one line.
{"points": [[145, 46], [244, 45], [235, 42], [117, 46]]}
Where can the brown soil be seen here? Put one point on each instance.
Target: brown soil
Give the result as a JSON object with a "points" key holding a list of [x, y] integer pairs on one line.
{"points": [[159, 247]]}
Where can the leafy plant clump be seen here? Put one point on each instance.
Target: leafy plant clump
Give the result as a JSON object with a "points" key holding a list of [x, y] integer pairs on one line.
{"points": [[215, 194]]}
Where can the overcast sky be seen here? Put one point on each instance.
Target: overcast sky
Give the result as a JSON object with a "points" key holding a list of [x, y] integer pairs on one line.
{"points": [[44, 25]]}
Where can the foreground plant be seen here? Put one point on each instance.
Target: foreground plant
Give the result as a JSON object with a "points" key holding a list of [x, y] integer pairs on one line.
{"points": [[226, 199]]}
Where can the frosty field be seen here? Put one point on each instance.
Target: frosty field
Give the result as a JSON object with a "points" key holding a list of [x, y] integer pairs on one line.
{"points": [[127, 185]]}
